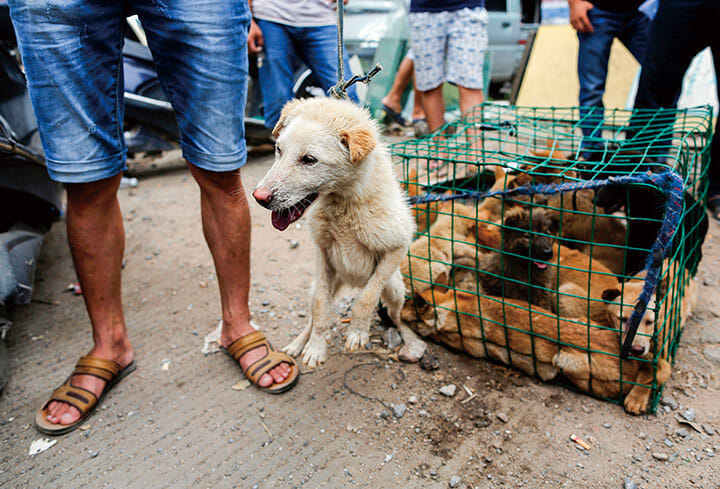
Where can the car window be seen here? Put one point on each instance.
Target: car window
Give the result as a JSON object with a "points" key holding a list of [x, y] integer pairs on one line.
{"points": [[496, 5]]}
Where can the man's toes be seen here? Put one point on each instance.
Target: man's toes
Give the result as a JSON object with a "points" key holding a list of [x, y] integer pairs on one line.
{"points": [[70, 416], [266, 381], [278, 375]]}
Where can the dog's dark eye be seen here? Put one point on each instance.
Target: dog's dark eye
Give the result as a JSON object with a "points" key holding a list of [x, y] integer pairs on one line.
{"points": [[308, 159]]}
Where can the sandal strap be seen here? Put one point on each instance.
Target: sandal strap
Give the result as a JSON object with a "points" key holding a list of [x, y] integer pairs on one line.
{"points": [[81, 399], [106, 370], [262, 366], [248, 342]]}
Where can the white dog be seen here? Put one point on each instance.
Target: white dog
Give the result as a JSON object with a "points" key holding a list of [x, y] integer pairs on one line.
{"points": [[329, 159]]}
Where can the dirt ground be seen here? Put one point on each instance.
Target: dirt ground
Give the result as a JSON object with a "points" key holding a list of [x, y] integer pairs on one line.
{"points": [[361, 420]]}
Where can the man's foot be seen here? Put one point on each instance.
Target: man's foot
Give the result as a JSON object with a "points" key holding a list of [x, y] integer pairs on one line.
{"points": [[277, 375], [65, 414], [393, 110]]}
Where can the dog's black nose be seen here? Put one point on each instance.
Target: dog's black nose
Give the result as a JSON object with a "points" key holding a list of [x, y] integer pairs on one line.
{"points": [[263, 197], [547, 253]]}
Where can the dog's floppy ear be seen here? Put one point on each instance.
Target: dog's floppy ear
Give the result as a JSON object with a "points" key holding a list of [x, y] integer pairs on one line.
{"points": [[610, 294], [359, 141], [284, 115]]}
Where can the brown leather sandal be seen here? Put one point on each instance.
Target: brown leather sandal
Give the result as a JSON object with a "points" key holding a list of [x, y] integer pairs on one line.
{"points": [[263, 365], [82, 399]]}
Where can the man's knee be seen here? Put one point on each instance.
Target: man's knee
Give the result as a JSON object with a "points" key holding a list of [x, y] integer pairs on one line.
{"points": [[226, 182], [93, 193]]}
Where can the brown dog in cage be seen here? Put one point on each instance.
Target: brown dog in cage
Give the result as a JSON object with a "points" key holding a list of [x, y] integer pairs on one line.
{"points": [[623, 302], [582, 284], [536, 342], [432, 255], [519, 270]]}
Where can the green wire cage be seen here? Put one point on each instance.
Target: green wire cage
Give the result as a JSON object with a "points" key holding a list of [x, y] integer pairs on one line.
{"points": [[546, 282]]}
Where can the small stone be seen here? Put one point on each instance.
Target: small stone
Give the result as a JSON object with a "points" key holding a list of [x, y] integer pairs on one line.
{"points": [[630, 484], [502, 417], [607, 425], [483, 422], [301, 314], [682, 433], [670, 402], [255, 486], [455, 481], [294, 244], [666, 409], [689, 414], [388, 457], [660, 456], [399, 410], [448, 390], [392, 338], [412, 400], [93, 453], [429, 361], [708, 429], [668, 443], [266, 302], [642, 436]]}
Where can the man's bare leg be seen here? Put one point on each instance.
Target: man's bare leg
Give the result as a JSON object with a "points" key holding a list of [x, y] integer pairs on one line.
{"points": [[404, 75], [97, 242], [434, 105], [226, 224], [469, 98]]}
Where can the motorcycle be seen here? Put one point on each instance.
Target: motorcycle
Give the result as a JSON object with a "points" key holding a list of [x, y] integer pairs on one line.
{"points": [[29, 200]]}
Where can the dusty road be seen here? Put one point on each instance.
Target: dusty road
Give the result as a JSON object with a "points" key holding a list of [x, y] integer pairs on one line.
{"points": [[184, 426]]}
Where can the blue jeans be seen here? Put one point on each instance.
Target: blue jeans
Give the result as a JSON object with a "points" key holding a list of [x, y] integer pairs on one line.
{"points": [[593, 55], [284, 45], [72, 52]]}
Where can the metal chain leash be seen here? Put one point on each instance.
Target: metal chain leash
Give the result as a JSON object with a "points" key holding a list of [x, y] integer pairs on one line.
{"points": [[339, 91]]}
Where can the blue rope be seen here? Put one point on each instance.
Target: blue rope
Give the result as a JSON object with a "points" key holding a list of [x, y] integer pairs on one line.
{"points": [[669, 182]]}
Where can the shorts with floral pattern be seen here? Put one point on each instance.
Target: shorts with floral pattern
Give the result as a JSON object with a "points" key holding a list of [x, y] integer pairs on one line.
{"points": [[449, 46]]}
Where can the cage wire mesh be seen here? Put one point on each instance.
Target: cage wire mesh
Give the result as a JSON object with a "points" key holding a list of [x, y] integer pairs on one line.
{"points": [[546, 283]]}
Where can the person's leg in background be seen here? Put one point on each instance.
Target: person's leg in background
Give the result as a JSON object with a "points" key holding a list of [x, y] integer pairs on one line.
{"points": [[467, 45], [634, 34], [206, 81], [428, 40], [713, 197], [72, 60], [317, 48], [392, 102], [593, 56], [277, 71]]}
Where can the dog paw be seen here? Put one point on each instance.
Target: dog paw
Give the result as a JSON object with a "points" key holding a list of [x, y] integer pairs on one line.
{"points": [[315, 352], [636, 404], [356, 339], [412, 351], [296, 347]]}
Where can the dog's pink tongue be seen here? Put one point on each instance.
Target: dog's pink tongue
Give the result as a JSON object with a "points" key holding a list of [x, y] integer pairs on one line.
{"points": [[281, 220], [541, 266]]}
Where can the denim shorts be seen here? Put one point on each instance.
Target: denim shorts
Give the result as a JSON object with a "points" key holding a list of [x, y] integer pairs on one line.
{"points": [[72, 52], [449, 46]]}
